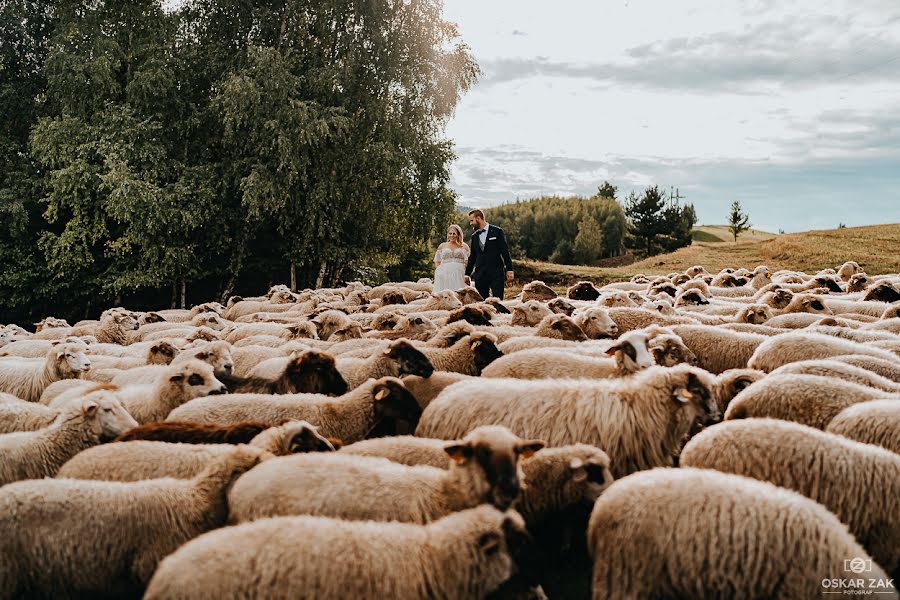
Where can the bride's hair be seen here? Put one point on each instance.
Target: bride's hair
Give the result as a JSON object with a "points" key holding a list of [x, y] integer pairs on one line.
{"points": [[458, 231]]}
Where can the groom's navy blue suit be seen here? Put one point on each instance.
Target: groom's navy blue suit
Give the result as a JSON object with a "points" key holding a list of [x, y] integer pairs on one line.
{"points": [[489, 264]]}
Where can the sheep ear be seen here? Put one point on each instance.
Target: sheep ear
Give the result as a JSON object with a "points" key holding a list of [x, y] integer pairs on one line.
{"points": [[387, 351], [475, 344], [89, 408], [489, 542], [336, 443], [682, 395], [742, 382], [527, 448], [381, 392], [579, 472], [613, 349], [459, 453]]}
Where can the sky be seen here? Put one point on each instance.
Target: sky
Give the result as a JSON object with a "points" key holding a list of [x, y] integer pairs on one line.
{"points": [[790, 107]]}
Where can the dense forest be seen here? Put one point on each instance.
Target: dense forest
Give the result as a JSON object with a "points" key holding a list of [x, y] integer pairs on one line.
{"points": [[159, 152]]}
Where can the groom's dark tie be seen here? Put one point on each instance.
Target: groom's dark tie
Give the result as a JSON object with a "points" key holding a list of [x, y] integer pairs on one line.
{"points": [[478, 237]]}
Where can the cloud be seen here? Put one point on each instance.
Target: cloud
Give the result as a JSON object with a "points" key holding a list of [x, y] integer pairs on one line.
{"points": [[517, 32], [788, 53]]}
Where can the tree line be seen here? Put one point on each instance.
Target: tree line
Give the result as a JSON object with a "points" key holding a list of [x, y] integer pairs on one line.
{"points": [[150, 152], [578, 230]]}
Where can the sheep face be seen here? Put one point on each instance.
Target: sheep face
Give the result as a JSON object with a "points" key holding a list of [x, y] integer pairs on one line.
{"points": [[300, 436], [410, 361], [396, 409], [393, 297], [858, 282], [484, 350], [469, 295], [303, 330], [848, 270], [161, 353], [693, 393], [690, 297], [730, 383], [5, 338], [566, 328], [218, 356], [314, 372], [561, 306], [631, 352], [884, 291], [828, 282], [195, 379], [597, 324], [385, 321], [537, 290], [669, 350], [756, 314], [495, 451], [778, 298], [443, 300], [49, 323], [663, 288], [695, 271], [107, 416], [680, 279], [349, 332], [583, 290], [211, 320], [150, 317], [663, 307], [809, 304], [471, 314], [529, 313], [72, 358], [282, 296], [498, 306], [126, 321], [590, 469]]}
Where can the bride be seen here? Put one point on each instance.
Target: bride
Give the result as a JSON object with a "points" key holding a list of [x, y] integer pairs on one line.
{"points": [[450, 261]]}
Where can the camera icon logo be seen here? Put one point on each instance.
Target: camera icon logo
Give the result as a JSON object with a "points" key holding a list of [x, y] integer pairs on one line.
{"points": [[858, 565]]}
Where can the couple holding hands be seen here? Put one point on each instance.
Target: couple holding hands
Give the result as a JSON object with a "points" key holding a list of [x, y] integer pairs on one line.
{"points": [[486, 261]]}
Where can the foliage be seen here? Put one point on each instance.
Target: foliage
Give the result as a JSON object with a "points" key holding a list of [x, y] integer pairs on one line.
{"points": [[657, 223], [221, 143], [588, 242], [738, 220]]}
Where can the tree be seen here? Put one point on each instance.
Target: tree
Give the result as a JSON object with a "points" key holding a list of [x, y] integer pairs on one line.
{"points": [[563, 253], [588, 242], [607, 190], [646, 217], [738, 221], [680, 221]]}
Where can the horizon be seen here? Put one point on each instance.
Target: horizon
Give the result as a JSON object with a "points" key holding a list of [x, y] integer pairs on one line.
{"points": [[753, 102]]}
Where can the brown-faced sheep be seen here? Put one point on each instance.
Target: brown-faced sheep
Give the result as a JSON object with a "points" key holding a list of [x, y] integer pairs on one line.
{"points": [[561, 306], [27, 378], [800, 345], [470, 355], [57, 536], [469, 295], [144, 459], [876, 422], [381, 404], [307, 372], [697, 533], [485, 469], [807, 399], [464, 555], [537, 290], [81, 424], [529, 313], [859, 483], [640, 421]]}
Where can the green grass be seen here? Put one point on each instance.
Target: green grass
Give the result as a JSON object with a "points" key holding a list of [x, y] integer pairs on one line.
{"points": [[874, 247]]}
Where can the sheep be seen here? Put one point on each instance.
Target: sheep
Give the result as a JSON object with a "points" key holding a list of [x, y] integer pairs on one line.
{"points": [[443, 300], [690, 297], [537, 290], [329, 321], [28, 348], [718, 350], [556, 479], [876, 422], [49, 323], [400, 358], [101, 538], [667, 348], [848, 270], [530, 313], [883, 291], [807, 399], [27, 378], [411, 327], [891, 324], [795, 320], [628, 319], [856, 335], [464, 555], [596, 323], [616, 298], [246, 358], [81, 424], [144, 459], [476, 315], [583, 290], [801, 345], [177, 385], [872, 309], [859, 483], [350, 418], [485, 468], [560, 327], [697, 533], [297, 330], [308, 372], [858, 282], [469, 295], [561, 306], [216, 353], [640, 421], [424, 389], [839, 370], [24, 416], [114, 327], [889, 369], [470, 355], [630, 351]]}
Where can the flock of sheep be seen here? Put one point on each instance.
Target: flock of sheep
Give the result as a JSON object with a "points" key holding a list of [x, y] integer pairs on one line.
{"points": [[732, 435]]}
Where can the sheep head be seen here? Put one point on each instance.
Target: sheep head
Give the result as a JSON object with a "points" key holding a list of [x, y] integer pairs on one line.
{"points": [[409, 360], [596, 324], [529, 313], [300, 436], [631, 352], [484, 350], [583, 290], [396, 409], [314, 372]]}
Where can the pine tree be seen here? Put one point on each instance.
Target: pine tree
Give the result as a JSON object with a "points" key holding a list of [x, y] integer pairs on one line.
{"points": [[738, 221], [646, 217]]}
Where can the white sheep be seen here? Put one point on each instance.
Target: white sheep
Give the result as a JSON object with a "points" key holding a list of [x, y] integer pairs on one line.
{"points": [[27, 378], [800, 345], [874, 422]]}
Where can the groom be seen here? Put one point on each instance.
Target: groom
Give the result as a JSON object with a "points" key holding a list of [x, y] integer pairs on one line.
{"points": [[489, 257]]}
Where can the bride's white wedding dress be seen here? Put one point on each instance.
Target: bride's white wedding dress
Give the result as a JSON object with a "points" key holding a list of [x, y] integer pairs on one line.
{"points": [[451, 271]]}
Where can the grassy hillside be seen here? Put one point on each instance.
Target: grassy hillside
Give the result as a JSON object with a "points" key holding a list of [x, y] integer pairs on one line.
{"points": [[875, 247], [719, 234]]}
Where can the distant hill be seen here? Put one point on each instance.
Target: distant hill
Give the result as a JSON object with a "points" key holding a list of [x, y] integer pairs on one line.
{"points": [[874, 247], [463, 209], [713, 234]]}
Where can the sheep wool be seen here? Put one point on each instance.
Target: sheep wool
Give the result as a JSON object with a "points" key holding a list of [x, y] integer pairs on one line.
{"points": [[876, 422], [803, 345], [56, 537], [697, 533], [860, 483], [464, 555]]}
